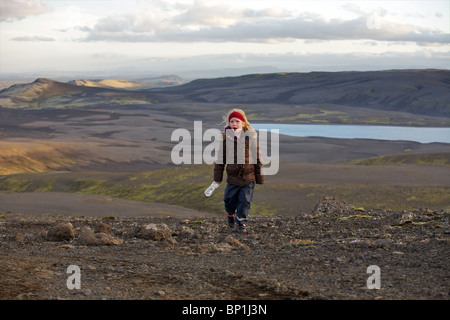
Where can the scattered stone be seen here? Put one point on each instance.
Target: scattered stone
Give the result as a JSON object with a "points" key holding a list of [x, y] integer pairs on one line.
{"points": [[228, 273], [86, 292], [67, 246], [303, 216], [89, 238], [170, 242], [232, 241], [220, 248], [24, 296], [43, 274], [110, 218], [102, 228], [186, 231], [19, 237], [61, 232], [407, 218], [278, 223], [332, 205], [155, 232]]}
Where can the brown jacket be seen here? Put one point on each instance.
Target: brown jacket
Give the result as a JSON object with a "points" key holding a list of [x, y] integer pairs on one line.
{"points": [[238, 172]]}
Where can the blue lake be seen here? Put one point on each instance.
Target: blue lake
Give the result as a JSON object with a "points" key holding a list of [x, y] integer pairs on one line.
{"points": [[418, 134]]}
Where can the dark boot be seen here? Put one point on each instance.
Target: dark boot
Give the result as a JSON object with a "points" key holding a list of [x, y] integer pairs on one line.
{"points": [[230, 218], [242, 228]]}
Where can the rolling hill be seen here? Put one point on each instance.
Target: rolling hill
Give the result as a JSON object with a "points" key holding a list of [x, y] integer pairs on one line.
{"points": [[140, 84], [109, 83], [425, 92], [420, 92], [47, 93]]}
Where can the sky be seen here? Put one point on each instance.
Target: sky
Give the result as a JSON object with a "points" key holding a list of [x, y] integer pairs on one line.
{"points": [[206, 38]]}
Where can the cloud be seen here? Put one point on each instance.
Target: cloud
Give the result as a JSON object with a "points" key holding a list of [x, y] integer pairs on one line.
{"points": [[33, 38], [261, 29], [351, 7], [183, 22], [210, 13], [19, 9], [200, 13], [212, 21]]}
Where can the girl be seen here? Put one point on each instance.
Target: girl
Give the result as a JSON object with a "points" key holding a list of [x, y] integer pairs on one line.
{"points": [[242, 170]]}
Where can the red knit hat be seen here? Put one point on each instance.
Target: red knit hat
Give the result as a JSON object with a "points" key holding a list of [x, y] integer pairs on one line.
{"points": [[236, 114]]}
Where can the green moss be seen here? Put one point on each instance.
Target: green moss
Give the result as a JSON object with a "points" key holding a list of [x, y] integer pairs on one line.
{"points": [[356, 216], [184, 186], [264, 208], [196, 222], [438, 158]]}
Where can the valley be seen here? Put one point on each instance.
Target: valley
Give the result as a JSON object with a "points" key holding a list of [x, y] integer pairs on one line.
{"points": [[96, 161]]}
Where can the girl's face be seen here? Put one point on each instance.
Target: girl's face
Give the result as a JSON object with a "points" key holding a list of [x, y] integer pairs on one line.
{"points": [[236, 124]]}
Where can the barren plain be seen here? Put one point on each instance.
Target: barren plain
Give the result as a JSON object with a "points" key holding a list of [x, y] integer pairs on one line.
{"points": [[336, 206]]}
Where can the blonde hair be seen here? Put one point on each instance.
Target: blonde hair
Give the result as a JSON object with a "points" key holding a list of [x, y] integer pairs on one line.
{"points": [[245, 126]]}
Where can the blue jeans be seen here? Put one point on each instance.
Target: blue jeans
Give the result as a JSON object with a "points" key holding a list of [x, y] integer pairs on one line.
{"points": [[238, 199]]}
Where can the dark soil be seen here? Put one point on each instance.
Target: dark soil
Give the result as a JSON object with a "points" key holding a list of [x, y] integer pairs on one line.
{"points": [[324, 254]]}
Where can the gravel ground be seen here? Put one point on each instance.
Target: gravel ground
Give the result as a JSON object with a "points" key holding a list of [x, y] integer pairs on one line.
{"points": [[325, 254]]}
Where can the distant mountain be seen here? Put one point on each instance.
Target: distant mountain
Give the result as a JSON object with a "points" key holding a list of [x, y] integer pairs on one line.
{"points": [[424, 92], [109, 83], [420, 92], [143, 83], [40, 88], [47, 93], [226, 72], [163, 81]]}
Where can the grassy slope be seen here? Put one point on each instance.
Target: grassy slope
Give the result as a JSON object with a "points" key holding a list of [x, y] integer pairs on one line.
{"points": [[438, 158], [185, 185], [35, 157]]}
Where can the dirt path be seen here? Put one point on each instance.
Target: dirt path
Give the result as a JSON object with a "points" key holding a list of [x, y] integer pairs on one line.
{"points": [[88, 205]]}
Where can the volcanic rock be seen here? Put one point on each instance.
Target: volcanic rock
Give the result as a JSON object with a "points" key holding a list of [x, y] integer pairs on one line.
{"points": [[61, 232]]}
